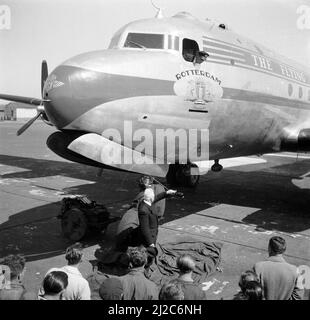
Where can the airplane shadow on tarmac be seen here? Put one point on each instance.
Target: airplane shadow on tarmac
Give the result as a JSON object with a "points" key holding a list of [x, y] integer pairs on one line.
{"points": [[281, 200]]}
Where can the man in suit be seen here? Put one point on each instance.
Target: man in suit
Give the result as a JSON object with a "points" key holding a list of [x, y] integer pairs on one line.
{"points": [[147, 232], [278, 278], [148, 219], [126, 234]]}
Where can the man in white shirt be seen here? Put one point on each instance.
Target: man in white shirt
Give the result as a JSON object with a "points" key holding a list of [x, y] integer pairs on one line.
{"points": [[78, 287]]}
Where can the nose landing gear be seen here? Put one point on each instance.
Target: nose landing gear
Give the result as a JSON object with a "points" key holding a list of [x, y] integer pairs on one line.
{"points": [[216, 167], [186, 175]]}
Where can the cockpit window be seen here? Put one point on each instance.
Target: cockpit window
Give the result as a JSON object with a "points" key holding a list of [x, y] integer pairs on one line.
{"points": [[145, 40], [190, 48]]}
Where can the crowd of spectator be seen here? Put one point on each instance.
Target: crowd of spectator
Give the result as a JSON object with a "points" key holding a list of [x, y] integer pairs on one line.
{"points": [[272, 279]]}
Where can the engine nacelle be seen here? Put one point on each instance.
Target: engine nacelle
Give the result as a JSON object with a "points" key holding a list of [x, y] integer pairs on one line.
{"points": [[299, 142]]}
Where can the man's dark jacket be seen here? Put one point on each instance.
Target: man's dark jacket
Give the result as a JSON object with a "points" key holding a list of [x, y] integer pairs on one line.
{"points": [[148, 221]]}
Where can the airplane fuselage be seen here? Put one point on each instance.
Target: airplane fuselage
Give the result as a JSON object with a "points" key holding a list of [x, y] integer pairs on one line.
{"points": [[248, 97]]}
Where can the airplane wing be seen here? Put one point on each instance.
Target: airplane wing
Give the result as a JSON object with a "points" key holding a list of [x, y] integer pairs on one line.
{"points": [[100, 149]]}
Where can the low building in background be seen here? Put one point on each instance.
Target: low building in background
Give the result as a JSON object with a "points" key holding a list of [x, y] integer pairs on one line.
{"points": [[16, 111]]}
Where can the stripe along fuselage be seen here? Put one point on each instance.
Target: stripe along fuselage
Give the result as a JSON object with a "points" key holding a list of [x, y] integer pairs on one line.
{"points": [[248, 97]]}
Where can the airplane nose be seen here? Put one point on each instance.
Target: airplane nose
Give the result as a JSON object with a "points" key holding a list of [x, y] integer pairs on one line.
{"points": [[71, 93], [92, 79], [57, 90]]}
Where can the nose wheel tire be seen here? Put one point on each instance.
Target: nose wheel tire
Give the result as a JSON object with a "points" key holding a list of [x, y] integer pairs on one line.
{"points": [[183, 175]]}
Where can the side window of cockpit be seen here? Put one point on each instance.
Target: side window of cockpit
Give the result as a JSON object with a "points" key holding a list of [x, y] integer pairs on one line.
{"points": [[190, 47]]}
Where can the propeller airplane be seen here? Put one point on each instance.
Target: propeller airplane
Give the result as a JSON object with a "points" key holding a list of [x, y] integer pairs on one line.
{"points": [[161, 79]]}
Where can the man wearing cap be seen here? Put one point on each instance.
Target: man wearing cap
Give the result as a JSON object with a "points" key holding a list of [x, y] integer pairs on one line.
{"points": [[278, 278]]}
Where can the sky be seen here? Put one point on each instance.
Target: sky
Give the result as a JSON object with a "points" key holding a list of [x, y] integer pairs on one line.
{"points": [[56, 30]]}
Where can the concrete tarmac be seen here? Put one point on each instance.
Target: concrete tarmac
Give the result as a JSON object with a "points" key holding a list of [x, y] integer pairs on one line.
{"points": [[242, 207]]}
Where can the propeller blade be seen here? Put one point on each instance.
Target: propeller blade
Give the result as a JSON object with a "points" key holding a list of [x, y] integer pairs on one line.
{"points": [[28, 124], [44, 75], [27, 100]]}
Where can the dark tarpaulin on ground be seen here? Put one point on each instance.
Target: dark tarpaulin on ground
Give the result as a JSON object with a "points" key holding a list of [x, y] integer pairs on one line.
{"points": [[207, 256]]}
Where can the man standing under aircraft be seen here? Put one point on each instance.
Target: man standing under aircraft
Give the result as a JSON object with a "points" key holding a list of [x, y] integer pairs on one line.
{"points": [[148, 221], [126, 235]]}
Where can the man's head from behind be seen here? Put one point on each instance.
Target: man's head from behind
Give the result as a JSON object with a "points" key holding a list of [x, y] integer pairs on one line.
{"points": [[55, 283], [171, 291], [16, 264], [253, 290], [137, 256], [74, 254], [277, 245], [186, 263], [246, 277], [149, 195]]}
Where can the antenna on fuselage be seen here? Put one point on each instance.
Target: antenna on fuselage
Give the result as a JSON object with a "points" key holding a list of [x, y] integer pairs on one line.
{"points": [[159, 13]]}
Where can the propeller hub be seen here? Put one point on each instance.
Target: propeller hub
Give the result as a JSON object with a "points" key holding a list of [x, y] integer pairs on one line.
{"points": [[40, 108]]}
